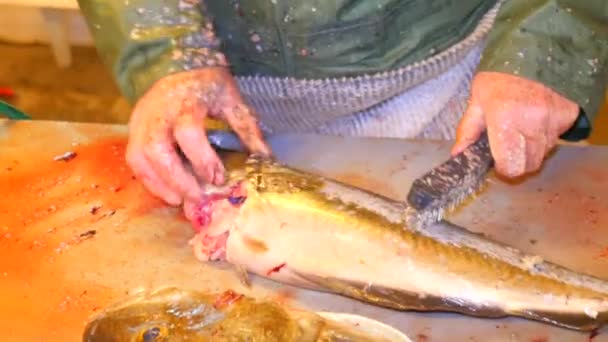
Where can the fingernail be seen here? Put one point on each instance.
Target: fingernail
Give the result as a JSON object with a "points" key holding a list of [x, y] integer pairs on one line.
{"points": [[174, 200], [515, 169], [457, 148]]}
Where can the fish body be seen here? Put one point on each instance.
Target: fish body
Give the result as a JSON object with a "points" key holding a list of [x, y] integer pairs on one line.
{"points": [[172, 314], [315, 233]]}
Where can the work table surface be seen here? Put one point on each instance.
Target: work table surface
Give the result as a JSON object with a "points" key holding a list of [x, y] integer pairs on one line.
{"points": [[78, 232]]}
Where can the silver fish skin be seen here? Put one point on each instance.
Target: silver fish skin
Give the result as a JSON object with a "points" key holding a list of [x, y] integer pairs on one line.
{"points": [[315, 233]]}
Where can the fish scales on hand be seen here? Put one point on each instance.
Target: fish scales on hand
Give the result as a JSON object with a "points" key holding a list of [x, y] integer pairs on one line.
{"points": [[309, 231]]}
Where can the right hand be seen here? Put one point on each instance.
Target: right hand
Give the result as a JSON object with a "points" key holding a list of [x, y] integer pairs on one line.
{"points": [[170, 115]]}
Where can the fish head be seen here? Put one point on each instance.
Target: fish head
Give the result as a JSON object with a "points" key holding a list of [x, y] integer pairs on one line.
{"points": [[173, 314], [251, 184], [211, 215], [166, 314], [258, 193]]}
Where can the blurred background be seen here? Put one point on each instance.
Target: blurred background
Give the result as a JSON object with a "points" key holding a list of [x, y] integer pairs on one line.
{"points": [[48, 60]]}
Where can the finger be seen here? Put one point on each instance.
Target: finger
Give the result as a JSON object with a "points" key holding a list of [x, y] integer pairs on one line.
{"points": [[190, 135], [470, 128], [166, 162], [567, 113], [140, 166], [162, 156], [158, 188], [190, 209], [243, 121], [535, 152], [145, 174], [509, 151]]}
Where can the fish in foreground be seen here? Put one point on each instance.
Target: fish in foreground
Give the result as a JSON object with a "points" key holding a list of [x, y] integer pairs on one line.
{"points": [[319, 234], [172, 314]]}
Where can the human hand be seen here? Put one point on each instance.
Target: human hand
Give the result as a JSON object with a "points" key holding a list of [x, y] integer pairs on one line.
{"points": [[523, 118], [171, 115]]}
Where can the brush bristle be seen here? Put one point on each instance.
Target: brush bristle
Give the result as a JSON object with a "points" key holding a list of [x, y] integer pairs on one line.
{"points": [[445, 187]]}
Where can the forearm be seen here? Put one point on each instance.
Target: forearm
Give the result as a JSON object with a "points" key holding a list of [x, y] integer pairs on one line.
{"points": [[561, 44], [142, 41]]}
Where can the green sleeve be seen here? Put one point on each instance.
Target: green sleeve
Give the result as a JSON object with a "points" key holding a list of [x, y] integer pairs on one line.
{"points": [[562, 44], [142, 41]]}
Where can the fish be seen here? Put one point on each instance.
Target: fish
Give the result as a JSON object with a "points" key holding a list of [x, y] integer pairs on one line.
{"points": [[175, 314], [319, 234]]}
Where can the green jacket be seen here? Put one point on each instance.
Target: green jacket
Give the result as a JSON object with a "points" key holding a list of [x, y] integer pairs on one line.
{"points": [[560, 43]]}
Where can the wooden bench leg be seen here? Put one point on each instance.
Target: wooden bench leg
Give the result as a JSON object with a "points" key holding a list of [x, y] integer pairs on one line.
{"points": [[55, 20]]}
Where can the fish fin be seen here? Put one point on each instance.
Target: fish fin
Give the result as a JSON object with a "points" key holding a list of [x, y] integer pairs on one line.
{"points": [[243, 275], [580, 322], [410, 301], [401, 299]]}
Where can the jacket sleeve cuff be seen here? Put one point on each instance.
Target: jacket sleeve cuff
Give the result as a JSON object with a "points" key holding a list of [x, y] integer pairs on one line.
{"points": [[144, 41], [146, 61], [563, 48]]}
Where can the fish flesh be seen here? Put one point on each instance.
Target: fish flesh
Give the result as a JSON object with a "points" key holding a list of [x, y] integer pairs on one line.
{"points": [[312, 232], [173, 314]]}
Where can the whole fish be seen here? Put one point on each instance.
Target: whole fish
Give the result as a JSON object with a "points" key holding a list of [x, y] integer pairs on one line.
{"points": [[172, 314], [315, 233]]}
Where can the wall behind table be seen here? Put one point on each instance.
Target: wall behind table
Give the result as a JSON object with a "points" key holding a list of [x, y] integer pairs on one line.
{"points": [[25, 24]]}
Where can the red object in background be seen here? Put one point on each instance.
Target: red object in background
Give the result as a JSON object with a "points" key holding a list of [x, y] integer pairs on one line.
{"points": [[6, 92]]}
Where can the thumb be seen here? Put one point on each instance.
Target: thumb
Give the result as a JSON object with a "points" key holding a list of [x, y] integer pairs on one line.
{"points": [[469, 129], [243, 121]]}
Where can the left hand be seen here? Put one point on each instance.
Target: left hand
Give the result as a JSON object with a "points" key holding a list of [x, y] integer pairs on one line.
{"points": [[524, 120]]}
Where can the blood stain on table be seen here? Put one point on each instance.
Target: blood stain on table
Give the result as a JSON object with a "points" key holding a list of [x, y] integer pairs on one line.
{"points": [[540, 339], [422, 338], [48, 202], [97, 173]]}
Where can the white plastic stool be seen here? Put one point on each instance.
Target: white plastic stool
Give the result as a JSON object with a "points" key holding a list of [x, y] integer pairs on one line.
{"points": [[55, 18]]}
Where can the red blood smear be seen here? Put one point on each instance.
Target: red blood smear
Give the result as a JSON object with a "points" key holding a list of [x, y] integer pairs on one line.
{"points": [[593, 335], [215, 246], [6, 92], [421, 338], [603, 253], [540, 339], [52, 305], [203, 213], [227, 298], [38, 183], [275, 269]]}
